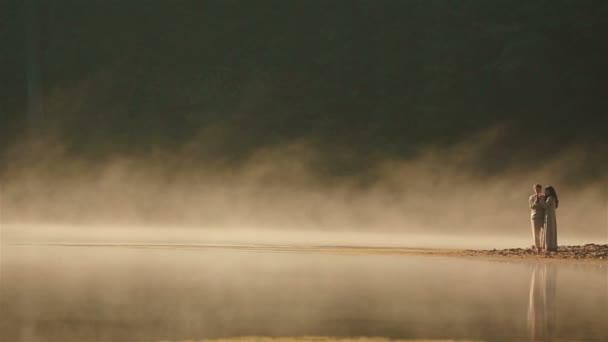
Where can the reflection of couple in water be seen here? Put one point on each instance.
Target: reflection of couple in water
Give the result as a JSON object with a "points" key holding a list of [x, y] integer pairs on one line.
{"points": [[542, 302], [544, 222]]}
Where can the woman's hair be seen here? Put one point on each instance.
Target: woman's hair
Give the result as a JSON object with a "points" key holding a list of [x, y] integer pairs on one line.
{"points": [[551, 193]]}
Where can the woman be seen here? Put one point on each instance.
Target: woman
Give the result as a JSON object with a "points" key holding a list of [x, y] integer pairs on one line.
{"points": [[549, 242]]}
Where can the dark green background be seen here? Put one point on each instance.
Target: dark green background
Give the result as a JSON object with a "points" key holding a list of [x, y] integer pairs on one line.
{"points": [[360, 80]]}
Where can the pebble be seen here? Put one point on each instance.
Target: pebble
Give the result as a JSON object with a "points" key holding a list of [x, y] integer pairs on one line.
{"points": [[587, 251]]}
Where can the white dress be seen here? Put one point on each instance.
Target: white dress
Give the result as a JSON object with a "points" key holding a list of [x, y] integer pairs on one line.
{"points": [[549, 241]]}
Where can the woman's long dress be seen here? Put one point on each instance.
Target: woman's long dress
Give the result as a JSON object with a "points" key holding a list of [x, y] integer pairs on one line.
{"points": [[550, 235]]}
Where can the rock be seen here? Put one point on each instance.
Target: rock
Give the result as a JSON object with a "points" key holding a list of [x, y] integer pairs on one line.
{"points": [[587, 251]]}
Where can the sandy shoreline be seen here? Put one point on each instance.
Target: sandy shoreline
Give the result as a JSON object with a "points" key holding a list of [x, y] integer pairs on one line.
{"points": [[583, 253], [320, 339]]}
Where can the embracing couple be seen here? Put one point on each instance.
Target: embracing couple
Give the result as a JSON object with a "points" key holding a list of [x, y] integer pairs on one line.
{"points": [[544, 222]]}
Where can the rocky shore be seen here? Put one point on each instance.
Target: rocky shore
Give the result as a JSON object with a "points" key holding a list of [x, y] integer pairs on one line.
{"points": [[589, 251]]}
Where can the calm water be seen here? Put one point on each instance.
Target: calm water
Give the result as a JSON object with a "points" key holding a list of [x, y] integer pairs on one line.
{"points": [[50, 293]]}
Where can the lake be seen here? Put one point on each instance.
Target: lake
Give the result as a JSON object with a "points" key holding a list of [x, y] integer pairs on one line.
{"points": [[70, 293]]}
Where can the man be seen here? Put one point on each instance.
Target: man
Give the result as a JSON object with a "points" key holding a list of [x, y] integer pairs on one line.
{"points": [[538, 215]]}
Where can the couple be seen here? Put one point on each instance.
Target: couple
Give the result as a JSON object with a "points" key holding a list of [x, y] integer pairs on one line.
{"points": [[544, 222]]}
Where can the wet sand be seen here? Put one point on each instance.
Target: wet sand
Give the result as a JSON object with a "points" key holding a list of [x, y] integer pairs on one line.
{"points": [[585, 253]]}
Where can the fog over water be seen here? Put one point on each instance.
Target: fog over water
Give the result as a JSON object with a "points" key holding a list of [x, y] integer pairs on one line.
{"points": [[280, 194], [152, 155], [402, 117], [163, 290]]}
